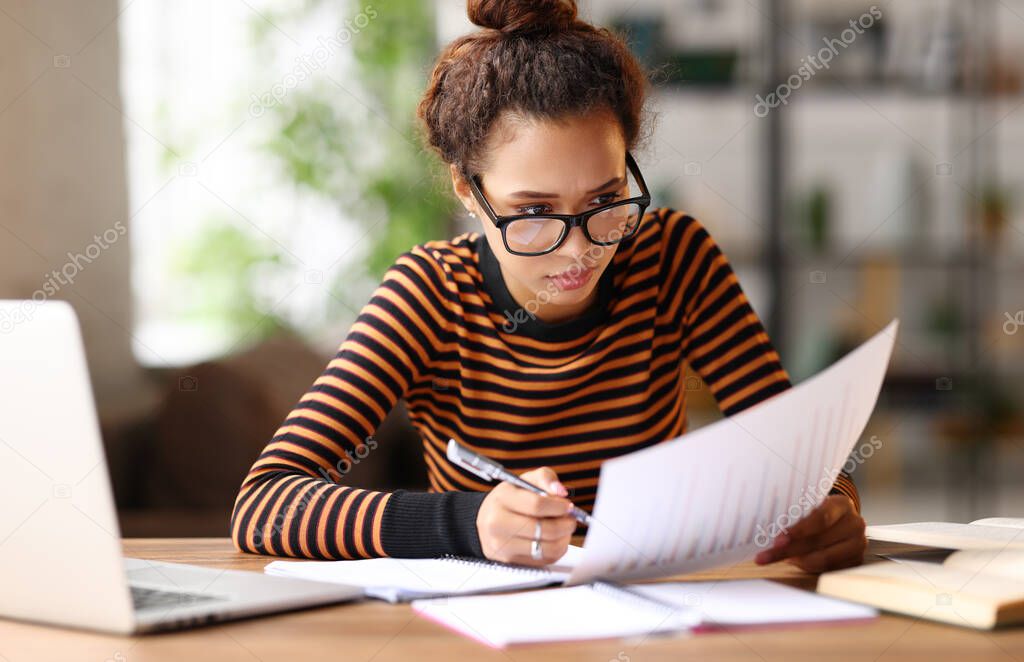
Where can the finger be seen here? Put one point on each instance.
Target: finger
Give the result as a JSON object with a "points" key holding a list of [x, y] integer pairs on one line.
{"points": [[850, 526], [822, 517], [521, 548], [546, 479], [551, 528], [526, 502], [843, 554], [846, 526]]}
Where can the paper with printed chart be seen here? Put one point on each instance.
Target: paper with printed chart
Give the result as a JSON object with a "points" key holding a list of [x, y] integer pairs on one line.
{"points": [[720, 494]]}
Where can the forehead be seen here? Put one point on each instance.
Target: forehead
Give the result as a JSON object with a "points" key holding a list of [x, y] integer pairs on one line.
{"points": [[573, 154]]}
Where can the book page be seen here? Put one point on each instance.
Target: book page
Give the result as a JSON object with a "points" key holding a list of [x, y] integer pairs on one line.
{"points": [[719, 494], [933, 578], [1002, 562], [1009, 522], [950, 535]]}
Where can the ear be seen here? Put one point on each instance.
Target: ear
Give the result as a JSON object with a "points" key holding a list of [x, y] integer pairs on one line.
{"points": [[462, 191]]}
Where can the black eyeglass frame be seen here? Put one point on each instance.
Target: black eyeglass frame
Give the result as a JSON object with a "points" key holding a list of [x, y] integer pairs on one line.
{"points": [[569, 221]]}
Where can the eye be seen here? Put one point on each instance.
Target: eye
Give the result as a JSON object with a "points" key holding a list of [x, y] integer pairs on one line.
{"points": [[534, 209], [605, 198]]}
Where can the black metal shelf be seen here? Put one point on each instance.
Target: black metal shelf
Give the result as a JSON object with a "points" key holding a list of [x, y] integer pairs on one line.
{"points": [[974, 287]]}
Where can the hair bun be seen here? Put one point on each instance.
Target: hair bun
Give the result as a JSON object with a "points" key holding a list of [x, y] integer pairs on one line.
{"points": [[521, 16]]}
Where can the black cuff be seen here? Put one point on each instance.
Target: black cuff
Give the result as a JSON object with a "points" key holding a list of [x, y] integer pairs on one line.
{"points": [[420, 525]]}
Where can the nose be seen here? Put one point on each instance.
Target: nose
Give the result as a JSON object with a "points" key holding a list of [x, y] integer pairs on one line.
{"points": [[576, 244]]}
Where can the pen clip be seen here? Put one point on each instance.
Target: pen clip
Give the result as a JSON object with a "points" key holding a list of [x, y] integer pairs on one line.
{"points": [[473, 462]]}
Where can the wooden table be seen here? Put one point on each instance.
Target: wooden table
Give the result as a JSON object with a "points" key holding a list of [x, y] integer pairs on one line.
{"points": [[378, 631]]}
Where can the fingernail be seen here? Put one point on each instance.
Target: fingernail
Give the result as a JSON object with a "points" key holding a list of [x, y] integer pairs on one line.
{"points": [[763, 557], [558, 488]]}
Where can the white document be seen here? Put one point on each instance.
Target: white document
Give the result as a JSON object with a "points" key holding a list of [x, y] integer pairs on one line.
{"points": [[719, 494], [397, 580]]}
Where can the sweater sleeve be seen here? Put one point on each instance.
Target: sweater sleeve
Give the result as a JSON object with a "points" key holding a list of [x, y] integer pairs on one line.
{"points": [[293, 501], [724, 341]]}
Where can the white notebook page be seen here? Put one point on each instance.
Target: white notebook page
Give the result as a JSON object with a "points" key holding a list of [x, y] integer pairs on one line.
{"points": [[560, 614], [397, 579], [748, 602], [599, 611]]}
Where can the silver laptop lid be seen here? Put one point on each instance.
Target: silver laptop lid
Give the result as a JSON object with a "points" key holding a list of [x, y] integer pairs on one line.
{"points": [[60, 547]]}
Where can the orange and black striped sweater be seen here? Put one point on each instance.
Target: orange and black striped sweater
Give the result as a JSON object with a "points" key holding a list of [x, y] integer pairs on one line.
{"points": [[443, 332]]}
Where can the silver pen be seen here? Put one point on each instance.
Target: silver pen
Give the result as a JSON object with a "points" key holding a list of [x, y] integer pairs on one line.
{"points": [[488, 469]]}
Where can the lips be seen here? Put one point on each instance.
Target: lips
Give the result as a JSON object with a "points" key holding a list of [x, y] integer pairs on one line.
{"points": [[571, 279]]}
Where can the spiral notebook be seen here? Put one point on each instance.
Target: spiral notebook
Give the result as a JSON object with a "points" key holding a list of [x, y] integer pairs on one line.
{"points": [[602, 610], [399, 580], [590, 611]]}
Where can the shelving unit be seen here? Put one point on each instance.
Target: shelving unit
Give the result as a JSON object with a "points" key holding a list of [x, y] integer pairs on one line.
{"points": [[903, 164], [837, 135]]}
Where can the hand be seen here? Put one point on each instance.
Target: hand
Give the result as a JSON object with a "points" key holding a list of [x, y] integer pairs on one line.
{"points": [[830, 537], [508, 517]]}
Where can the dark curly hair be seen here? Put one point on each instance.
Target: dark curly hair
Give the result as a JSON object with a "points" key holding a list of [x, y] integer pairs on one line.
{"points": [[533, 59]]}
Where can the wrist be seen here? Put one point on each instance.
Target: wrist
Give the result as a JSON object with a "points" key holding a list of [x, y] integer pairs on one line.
{"points": [[431, 524]]}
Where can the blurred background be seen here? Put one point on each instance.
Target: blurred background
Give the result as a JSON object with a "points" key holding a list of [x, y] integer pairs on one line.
{"points": [[217, 187]]}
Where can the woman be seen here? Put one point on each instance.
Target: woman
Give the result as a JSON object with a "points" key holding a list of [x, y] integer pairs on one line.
{"points": [[548, 343]]}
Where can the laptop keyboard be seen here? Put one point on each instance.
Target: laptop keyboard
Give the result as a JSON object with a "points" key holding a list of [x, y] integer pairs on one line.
{"points": [[150, 598]]}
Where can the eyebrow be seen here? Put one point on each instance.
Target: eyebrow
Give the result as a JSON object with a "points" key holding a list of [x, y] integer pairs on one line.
{"points": [[537, 194]]}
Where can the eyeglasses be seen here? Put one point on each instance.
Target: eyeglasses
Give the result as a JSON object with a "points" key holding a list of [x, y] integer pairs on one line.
{"points": [[538, 234]]}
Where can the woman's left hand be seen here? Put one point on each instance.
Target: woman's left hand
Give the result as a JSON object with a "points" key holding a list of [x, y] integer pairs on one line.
{"points": [[830, 537]]}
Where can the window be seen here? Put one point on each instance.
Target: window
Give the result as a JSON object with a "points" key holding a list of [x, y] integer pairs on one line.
{"points": [[233, 234]]}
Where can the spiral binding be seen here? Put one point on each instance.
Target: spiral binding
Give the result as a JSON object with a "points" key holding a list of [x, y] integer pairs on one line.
{"points": [[472, 560]]}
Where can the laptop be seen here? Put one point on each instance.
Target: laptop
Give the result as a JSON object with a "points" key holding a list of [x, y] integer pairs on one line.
{"points": [[60, 545]]}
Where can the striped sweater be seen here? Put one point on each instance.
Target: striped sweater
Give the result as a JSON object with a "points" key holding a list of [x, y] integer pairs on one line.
{"points": [[443, 332]]}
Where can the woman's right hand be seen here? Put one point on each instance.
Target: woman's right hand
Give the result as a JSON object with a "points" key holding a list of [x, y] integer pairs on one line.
{"points": [[508, 516]]}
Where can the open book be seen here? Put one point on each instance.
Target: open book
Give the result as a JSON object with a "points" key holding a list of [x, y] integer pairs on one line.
{"points": [[980, 588], [991, 532]]}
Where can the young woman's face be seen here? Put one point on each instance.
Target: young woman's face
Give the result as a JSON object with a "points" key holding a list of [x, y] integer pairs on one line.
{"points": [[540, 167]]}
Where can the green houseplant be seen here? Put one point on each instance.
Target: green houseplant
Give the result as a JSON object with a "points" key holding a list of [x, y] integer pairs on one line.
{"points": [[348, 135]]}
